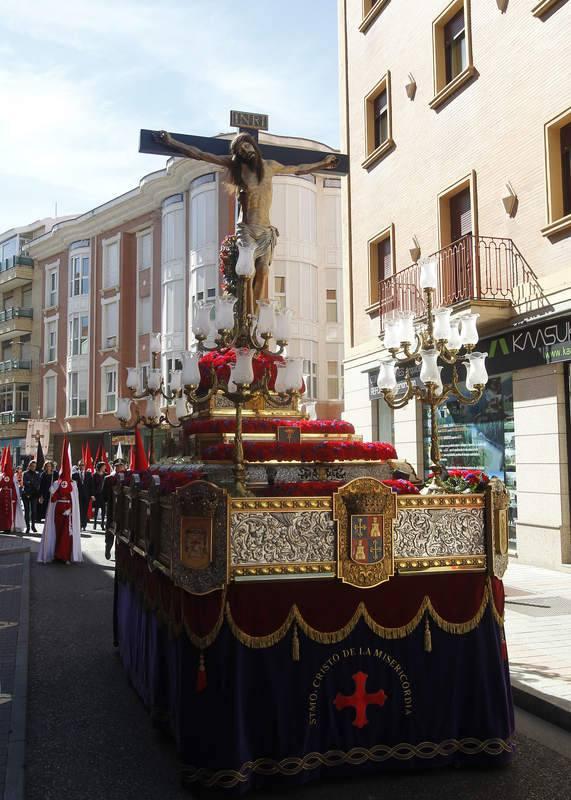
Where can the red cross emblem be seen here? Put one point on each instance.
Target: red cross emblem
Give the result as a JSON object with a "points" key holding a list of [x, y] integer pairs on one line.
{"points": [[359, 700]]}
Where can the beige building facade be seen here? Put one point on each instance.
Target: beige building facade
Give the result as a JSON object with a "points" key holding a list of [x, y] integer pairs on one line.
{"points": [[457, 120], [139, 263]]}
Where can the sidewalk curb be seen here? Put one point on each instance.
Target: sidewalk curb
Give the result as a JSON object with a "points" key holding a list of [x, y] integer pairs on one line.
{"points": [[556, 711], [14, 785]]}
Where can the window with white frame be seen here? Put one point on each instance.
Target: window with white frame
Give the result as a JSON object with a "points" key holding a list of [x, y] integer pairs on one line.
{"points": [[145, 250], [22, 397], [333, 380], [109, 384], [310, 379], [51, 341], [111, 264], [280, 291], [50, 393], [52, 287], [172, 364], [78, 343], [110, 325], [173, 307], [6, 397], [145, 317], [79, 276], [77, 393], [331, 305]]}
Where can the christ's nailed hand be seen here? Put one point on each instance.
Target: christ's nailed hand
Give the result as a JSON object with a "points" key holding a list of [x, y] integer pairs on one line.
{"points": [[331, 162]]}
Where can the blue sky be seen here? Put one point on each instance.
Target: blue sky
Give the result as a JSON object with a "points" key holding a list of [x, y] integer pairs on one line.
{"points": [[79, 78]]}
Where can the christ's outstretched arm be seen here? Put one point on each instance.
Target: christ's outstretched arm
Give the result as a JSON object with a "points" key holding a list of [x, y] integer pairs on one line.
{"points": [[329, 162], [193, 152]]}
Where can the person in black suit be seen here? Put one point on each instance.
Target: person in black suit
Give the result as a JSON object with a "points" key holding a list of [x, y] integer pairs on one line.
{"points": [[30, 494], [48, 475], [98, 501], [84, 482], [108, 484]]}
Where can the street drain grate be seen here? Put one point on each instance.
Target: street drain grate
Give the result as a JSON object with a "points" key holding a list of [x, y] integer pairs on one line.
{"points": [[541, 606]]}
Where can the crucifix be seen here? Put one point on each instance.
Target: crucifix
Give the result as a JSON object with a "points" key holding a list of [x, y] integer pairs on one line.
{"points": [[250, 167], [38, 436]]}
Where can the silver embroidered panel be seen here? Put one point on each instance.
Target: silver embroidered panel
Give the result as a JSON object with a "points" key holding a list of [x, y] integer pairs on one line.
{"points": [[424, 533], [282, 537], [292, 473]]}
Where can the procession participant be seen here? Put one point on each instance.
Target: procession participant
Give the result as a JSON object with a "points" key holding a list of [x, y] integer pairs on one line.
{"points": [[47, 477], [19, 477], [108, 484], [61, 539], [83, 480], [9, 499], [30, 494], [97, 498]]}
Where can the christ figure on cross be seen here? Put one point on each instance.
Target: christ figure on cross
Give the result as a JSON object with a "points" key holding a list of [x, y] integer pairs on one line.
{"points": [[252, 176]]}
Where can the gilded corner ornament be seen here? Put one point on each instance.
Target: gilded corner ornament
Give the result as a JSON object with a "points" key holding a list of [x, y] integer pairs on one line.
{"points": [[365, 510], [498, 500]]}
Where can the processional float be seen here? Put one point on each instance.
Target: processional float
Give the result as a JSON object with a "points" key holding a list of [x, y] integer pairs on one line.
{"points": [[286, 606]]}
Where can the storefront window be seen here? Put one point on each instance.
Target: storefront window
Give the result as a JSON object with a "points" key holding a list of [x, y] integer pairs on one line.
{"points": [[383, 422], [481, 437]]}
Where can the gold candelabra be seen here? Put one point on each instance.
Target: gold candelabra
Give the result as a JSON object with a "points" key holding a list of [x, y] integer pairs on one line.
{"points": [[249, 335], [442, 339]]}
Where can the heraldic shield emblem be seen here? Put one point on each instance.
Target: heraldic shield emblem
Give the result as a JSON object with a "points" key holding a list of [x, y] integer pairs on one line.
{"points": [[367, 538], [365, 510]]}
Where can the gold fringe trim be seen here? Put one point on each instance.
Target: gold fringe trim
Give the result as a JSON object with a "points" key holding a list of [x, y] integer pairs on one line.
{"points": [[427, 637], [295, 644]]}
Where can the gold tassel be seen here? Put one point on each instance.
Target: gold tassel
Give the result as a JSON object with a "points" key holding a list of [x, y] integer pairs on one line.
{"points": [[427, 636], [295, 644]]}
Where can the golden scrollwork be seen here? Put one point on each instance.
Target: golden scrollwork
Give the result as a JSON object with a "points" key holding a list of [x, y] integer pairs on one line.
{"points": [[265, 504], [498, 501], [323, 568]]}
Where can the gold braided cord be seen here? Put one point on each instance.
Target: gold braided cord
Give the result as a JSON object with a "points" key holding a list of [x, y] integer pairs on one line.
{"points": [[293, 765]]}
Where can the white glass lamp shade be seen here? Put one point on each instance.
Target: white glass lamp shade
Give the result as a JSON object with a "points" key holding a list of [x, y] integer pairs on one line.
{"points": [[123, 409], [294, 373], [231, 382], [190, 369], [429, 372], [442, 323], [469, 329], [281, 384], [454, 338], [266, 316], [243, 372], [180, 407], [387, 377], [439, 386], [154, 380], [282, 326], [224, 313], [151, 408], [477, 373], [133, 379], [155, 342], [469, 384], [428, 274], [201, 320], [406, 327], [176, 380], [392, 334], [245, 266]]}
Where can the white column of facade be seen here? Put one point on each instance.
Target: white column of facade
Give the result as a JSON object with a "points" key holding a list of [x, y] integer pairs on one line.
{"points": [[203, 245], [173, 280]]}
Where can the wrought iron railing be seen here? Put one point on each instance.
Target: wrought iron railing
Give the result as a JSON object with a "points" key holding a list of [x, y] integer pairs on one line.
{"points": [[15, 313], [472, 268], [10, 417], [16, 261]]}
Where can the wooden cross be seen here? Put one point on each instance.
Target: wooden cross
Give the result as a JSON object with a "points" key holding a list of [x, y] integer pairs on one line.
{"points": [[245, 121], [38, 436]]}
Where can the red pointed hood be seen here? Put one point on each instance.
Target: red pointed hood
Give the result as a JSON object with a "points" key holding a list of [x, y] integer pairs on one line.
{"points": [[65, 468], [141, 461], [132, 459], [7, 468], [3, 458]]}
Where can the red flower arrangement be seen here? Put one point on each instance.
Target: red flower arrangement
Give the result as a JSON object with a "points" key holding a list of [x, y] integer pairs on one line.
{"points": [[173, 477], [464, 480], [266, 425], [326, 451], [324, 488]]}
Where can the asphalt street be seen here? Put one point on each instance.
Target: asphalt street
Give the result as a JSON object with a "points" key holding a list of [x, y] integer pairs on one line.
{"points": [[89, 736]]}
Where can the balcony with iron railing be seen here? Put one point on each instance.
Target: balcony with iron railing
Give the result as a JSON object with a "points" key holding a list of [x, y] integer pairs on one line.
{"points": [[483, 274], [16, 271], [15, 322], [13, 417], [13, 364]]}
